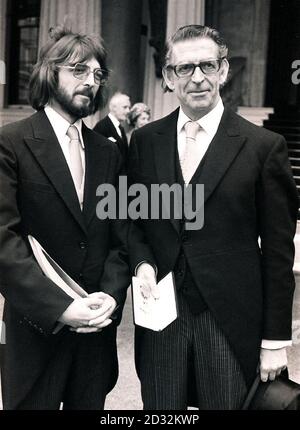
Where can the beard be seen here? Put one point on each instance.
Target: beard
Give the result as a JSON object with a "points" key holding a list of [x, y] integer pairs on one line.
{"points": [[77, 109]]}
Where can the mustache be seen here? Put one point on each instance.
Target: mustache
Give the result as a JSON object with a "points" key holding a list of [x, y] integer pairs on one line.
{"points": [[87, 92]]}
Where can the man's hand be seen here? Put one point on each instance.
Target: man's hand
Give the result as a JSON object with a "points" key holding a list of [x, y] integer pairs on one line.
{"points": [[147, 278], [102, 318], [272, 362], [81, 311]]}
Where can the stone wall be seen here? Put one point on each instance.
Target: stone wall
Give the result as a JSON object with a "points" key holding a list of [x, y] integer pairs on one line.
{"points": [[245, 26]]}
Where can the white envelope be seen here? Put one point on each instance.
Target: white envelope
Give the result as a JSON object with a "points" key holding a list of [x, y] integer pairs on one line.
{"points": [[155, 314]]}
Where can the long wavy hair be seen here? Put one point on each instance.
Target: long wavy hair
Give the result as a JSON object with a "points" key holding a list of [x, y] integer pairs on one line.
{"points": [[65, 47]]}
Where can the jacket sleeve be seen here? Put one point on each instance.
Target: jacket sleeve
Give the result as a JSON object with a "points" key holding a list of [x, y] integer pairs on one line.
{"points": [[277, 209], [39, 301], [139, 250]]}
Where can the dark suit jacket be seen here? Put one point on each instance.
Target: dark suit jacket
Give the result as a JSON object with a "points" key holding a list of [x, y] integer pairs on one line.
{"points": [[37, 197], [249, 192], [106, 128]]}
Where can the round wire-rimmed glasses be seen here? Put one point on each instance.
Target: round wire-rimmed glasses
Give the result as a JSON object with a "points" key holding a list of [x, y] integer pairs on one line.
{"points": [[82, 71]]}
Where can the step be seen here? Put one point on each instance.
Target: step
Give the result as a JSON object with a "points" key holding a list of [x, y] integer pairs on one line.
{"points": [[254, 109], [297, 179], [256, 115], [295, 162], [283, 122], [295, 172], [294, 153], [12, 114], [292, 137], [292, 144], [283, 130], [288, 136]]}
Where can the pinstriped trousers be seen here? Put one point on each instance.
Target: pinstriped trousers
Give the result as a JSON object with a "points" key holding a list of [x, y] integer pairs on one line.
{"points": [[191, 341]]}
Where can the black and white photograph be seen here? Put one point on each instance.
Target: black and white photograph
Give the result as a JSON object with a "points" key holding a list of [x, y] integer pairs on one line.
{"points": [[149, 208]]}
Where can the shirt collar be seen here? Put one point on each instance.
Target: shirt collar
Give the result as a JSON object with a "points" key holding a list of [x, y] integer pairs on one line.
{"points": [[114, 120], [209, 122], [60, 125]]}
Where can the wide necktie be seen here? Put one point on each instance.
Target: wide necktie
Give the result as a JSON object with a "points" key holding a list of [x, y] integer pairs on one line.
{"points": [[123, 134], [124, 147], [190, 160], [76, 167]]}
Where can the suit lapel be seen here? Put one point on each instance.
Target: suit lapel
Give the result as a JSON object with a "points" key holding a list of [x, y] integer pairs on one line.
{"points": [[97, 162], [48, 153], [222, 151], [164, 147]]}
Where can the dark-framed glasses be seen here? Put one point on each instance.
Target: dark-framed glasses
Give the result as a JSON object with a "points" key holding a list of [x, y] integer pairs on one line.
{"points": [[207, 67], [82, 71]]}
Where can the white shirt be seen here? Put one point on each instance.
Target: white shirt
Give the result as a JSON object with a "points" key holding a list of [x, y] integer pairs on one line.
{"points": [[116, 123], [60, 126], [209, 124]]}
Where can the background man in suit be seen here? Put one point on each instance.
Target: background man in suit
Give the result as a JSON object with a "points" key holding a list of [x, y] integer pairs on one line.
{"points": [[234, 296], [111, 125], [50, 167]]}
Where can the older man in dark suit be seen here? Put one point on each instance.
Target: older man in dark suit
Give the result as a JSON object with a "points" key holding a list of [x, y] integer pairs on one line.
{"points": [[234, 292], [111, 126], [50, 167]]}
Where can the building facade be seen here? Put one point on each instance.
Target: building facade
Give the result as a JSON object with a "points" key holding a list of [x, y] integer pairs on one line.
{"points": [[263, 39]]}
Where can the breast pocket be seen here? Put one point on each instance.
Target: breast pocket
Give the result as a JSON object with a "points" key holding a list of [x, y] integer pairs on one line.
{"points": [[145, 179], [37, 187]]}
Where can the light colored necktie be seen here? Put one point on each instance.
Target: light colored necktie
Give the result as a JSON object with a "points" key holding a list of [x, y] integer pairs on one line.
{"points": [[75, 158], [190, 159]]}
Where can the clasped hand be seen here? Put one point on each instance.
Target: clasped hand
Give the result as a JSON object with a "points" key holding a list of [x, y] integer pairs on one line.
{"points": [[89, 314]]}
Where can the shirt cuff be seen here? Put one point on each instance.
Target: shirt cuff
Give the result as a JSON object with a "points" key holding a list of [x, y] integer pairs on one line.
{"points": [[147, 262], [275, 344]]}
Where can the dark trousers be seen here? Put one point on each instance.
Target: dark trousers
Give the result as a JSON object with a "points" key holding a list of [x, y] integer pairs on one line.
{"points": [[79, 375], [191, 341]]}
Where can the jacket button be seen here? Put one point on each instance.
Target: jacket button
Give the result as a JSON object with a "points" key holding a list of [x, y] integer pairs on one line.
{"points": [[81, 276], [82, 245], [184, 237]]}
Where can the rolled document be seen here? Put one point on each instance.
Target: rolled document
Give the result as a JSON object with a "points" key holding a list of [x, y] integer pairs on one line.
{"points": [[57, 275]]}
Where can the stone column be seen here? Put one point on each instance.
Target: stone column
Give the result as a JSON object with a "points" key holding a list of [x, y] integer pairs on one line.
{"points": [[121, 31], [259, 51], [2, 50], [82, 15], [251, 43], [180, 12]]}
